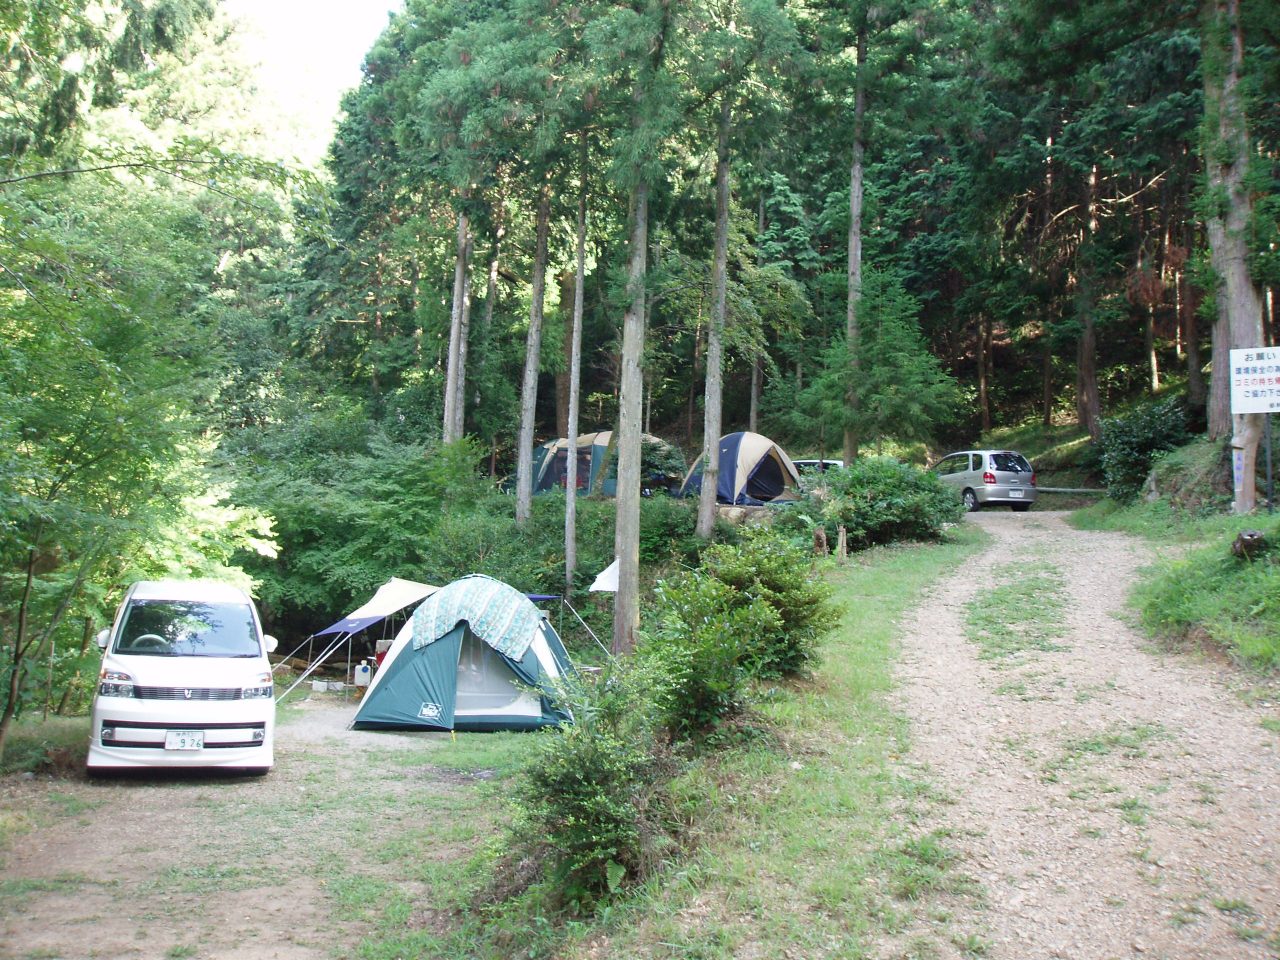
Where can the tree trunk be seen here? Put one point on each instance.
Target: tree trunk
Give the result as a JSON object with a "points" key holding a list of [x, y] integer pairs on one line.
{"points": [[16, 662], [464, 340], [1218, 410], [711, 421], [1226, 163], [691, 404], [1088, 404], [1046, 381], [1149, 346], [1188, 308], [455, 329], [532, 359], [564, 387], [854, 292], [626, 610], [575, 377], [757, 365], [984, 371]]}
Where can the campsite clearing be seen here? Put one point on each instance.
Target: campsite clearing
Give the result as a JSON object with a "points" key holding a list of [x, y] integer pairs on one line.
{"points": [[1067, 795]]}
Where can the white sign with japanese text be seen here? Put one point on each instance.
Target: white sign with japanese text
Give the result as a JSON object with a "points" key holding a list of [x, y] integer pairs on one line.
{"points": [[1255, 380]]}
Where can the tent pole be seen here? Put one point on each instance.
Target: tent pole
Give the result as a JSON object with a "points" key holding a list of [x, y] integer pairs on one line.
{"points": [[587, 628], [313, 667], [295, 650], [349, 679]]}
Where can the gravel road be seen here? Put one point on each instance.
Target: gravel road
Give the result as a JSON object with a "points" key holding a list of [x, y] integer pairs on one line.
{"points": [[1109, 801]]}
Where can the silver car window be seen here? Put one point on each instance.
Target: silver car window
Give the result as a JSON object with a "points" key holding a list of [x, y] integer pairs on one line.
{"points": [[1010, 462]]}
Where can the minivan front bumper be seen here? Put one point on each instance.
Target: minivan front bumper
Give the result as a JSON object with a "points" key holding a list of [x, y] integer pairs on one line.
{"points": [[236, 734]]}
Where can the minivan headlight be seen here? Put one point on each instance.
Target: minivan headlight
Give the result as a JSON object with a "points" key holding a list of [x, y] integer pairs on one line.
{"points": [[262, 691], [115, 684]]}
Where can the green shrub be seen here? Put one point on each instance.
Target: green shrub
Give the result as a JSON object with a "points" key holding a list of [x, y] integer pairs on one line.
{"points": [[591, 803], [877, 500], [1129, 444], [768, 567], [705, 635]]}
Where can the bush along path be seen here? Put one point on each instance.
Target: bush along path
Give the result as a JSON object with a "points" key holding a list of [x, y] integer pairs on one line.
{"points": [[1104, 799]]}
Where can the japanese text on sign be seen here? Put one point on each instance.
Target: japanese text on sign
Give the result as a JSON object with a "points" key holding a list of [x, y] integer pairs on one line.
{"points": [[1255, 380]]}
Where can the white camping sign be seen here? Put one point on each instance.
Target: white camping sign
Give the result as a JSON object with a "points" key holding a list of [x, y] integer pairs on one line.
{"points": [[1255, 380]]}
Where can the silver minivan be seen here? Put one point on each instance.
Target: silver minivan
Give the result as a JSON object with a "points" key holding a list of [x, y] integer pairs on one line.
{"points": [[989, 476], [185, 681]]}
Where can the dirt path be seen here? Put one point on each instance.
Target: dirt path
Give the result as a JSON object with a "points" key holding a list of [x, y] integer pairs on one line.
{"points": [[1109, 801]]}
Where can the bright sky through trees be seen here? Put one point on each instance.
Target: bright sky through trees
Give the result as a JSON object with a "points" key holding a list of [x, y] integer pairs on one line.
{"points": [[308, 53]]}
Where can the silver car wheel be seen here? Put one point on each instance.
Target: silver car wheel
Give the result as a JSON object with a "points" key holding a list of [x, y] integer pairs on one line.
{"points": [[970, 501]]}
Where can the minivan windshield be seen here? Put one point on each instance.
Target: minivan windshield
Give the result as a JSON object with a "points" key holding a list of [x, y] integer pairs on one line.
{"points": [[1010, 462], [187, 628]]}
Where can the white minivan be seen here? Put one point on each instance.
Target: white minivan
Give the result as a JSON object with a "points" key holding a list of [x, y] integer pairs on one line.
{"points": [[185, 681]]}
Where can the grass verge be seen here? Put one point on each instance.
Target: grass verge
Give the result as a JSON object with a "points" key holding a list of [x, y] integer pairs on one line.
{"points": [[57, 746], [1205, 595]]}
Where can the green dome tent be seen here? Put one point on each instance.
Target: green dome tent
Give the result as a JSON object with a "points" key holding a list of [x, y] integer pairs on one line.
{"points": [[475, 655]]}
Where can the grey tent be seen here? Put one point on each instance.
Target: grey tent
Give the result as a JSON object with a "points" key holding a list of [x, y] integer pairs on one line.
{"points": [[476, 655]]}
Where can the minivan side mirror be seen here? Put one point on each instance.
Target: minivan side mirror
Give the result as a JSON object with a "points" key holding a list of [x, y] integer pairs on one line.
{"points": [[269, 642], [103, 637]]}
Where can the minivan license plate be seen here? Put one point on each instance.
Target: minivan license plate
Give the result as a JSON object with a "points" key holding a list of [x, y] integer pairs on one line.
{"points": [[1016, 494], [184, 740]]}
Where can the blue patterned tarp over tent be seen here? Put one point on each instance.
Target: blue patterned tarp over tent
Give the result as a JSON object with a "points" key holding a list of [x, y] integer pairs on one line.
{"points": [[500, 615]]}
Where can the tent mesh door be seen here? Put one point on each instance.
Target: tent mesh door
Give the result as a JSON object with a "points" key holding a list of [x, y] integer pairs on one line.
{"points": [[485, 682]]}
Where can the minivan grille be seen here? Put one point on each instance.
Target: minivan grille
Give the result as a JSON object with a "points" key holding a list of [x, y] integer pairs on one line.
{"points": [[186, 693]]}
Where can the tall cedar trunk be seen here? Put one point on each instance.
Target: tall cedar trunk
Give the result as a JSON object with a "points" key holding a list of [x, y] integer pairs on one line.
{"points": [[1046, 381], [984, 371], [455, 330], [1046, 373], [691, 404], [16, 660], [1088, 403], [491, 289], [715, 334], [575, 377], [563, 388], [532, 359], [375, 381], [626, 609], [1149, 345], [1188, 317], [464, 340], [1269, 318], [1226, 163], [854, 294], [757, 367]]}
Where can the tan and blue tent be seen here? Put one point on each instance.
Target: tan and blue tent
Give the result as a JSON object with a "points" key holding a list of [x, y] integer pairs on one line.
{"points": [[662, 465], [476, 655], [753, 470]]}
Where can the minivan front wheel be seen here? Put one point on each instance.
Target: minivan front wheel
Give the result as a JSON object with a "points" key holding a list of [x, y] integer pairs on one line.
{"points": [[970, 501]]}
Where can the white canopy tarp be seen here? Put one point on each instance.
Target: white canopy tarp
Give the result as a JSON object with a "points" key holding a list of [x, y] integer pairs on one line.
{"points": [[392, 597], [606, 580]]}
